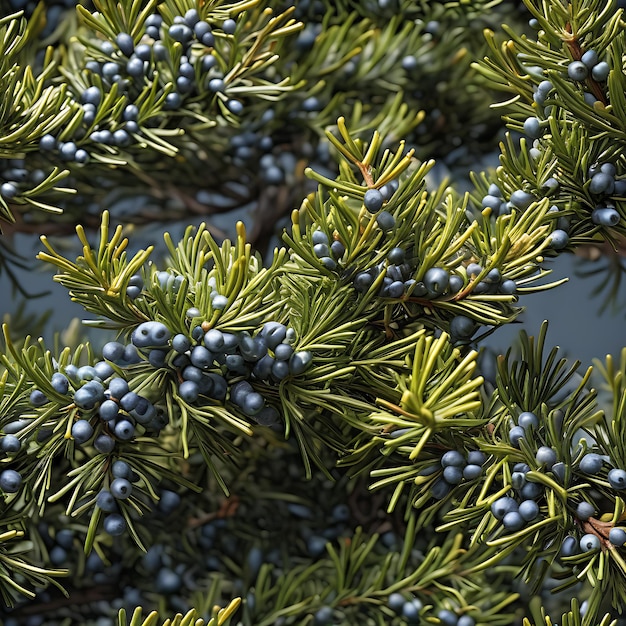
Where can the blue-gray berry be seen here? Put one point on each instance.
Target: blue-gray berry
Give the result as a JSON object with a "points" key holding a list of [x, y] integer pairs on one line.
{"points": [[617, 479], [591, 463], [114, 525], [617, 536], [589, 542], [10, 481], [577, 70], [373, 200], [585, 510]]}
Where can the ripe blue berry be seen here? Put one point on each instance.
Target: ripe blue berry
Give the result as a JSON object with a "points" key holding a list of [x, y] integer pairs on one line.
{"points": [[144, 411], [453, 475], [82, 431], [229, 26], [532, 127], [167, 581], [491, 202], [317, 237], [385, 220], [502, 506], [617, 536], [300, 362], [518, 480], [88, 395], [448, 618], [172, 101], [546, 456], [191, 17], [589, 542], [135, 67], [129, 400], [462, 326], [189, 391], [103, 370], [113, 351], [569, 547], [521, 199], [471, 472], [590, 58], [118, 388], [150, 334], [283, 351], [125, 43], [234, 106], [57, 556], [436, 281], [466, 620], [515, 434], [411, 612], [121, 469], [585, 510], [106, 501], [507, 286], [104, 444], [373, 200], [10, 481], [601, 183], [396, 256], [200, 29], [10, 444], [114, 525], [252, 403], [363, 281], [121, 488], [60, 383], [476, 457], [577, 70], [453, 458], [181, 343], [531, 491], [395, 602], [513, 521], [605, 216], [440, 489], [528, 420], [321, 250], [201, 357], [169, 501], [529, 510], [37, 398], [48, 142], [558, 239], [124, 430], [601, 71], [591, 463], [617, 479]]}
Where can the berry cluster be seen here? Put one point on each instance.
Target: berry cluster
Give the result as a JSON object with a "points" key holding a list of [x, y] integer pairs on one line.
{"points": [[207, 361], [95, 389], [65, 150], [120, 488], [515, 513], [589, 64], [602, 183], [519, 199], [408, 609], [15, 177], [457, 468], [10, 480]]}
